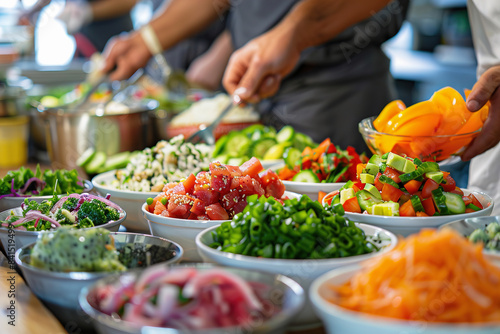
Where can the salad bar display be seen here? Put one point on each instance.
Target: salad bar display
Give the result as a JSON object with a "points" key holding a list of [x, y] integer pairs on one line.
{"points": [[325, 236]]}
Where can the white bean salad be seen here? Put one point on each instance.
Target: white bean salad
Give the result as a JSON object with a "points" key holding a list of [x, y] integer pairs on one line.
{"points": [[167, 161]]}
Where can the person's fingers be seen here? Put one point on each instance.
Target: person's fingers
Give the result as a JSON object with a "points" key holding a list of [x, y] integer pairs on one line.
{"points": [[489, 135], [113, 49], [269, 86], [250, 82], [484, 89], [235, 70]]}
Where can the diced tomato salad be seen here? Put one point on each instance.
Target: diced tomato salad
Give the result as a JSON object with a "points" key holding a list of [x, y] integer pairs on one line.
{"points": [[325, 163], [218, 194], [417, 189]]}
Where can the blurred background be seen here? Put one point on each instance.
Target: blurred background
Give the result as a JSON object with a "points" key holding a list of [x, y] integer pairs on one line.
{"points": [[432, 50]]}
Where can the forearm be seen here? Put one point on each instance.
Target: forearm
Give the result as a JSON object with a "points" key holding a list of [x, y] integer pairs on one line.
{"points": [[179, 20], [108, 9], [313, 22]]}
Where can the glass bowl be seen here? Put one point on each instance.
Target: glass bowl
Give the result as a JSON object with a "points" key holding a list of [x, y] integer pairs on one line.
{"points": [[434, 148]]}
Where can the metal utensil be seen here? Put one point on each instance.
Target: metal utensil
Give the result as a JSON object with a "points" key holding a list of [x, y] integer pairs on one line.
{"points": [[79, 103], [206, 134], [174, 81], [101, 107]]}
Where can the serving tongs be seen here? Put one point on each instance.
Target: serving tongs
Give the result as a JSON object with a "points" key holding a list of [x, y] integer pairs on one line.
{"points": [[206, 133]]}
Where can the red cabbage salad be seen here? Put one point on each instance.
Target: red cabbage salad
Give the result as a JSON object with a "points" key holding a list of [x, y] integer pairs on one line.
{"points": [[74, 210], [24, 182], [184, 298]]}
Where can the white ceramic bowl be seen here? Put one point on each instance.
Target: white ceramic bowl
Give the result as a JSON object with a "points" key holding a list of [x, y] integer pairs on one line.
{"points": [[184, 231], [466, 226], [12, 239], [284, 293], [14, 202], [302, 271], [60, 290], [311, 189], [408, 225], [340, 320], [130, 201], [266, 164]]}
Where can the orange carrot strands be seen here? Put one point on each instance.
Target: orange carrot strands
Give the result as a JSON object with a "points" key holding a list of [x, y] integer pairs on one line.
{"points": [[434, 276]]}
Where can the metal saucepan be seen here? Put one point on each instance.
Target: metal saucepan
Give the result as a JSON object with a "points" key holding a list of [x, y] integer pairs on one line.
{"points": [[70, 132]]}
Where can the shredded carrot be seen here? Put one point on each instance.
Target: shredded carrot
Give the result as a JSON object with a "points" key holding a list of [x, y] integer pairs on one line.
{"points": [[434, 276]]}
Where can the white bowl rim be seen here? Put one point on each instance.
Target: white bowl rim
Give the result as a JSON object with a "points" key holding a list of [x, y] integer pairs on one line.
{"points": [[85, 275], [334, 309], [273, 261]]}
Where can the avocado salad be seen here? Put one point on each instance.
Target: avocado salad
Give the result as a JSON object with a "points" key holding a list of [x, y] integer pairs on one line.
{"points": [[167, 161], [75, 210], [66, 250]]}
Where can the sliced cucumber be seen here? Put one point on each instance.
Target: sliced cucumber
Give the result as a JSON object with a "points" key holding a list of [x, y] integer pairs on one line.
{"points": [[117, 161], [366, 199], [285, 134], [259, 148], [417, 204], [275, 152], [237, 144], [292, 156], [440, 201], [86, 157], [97, 162], [235, 161], [306, 176], [454, 203], [301, 141], [220, 144], [385, 179]]}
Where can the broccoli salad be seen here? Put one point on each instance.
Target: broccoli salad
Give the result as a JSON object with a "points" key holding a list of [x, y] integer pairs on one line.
{"points": [[75, 210], [167, 161]]}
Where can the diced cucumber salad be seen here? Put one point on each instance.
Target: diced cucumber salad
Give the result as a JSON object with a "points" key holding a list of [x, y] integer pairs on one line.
{"points": [[262, 142], [167, 161], [392, 185], [489, 236]]}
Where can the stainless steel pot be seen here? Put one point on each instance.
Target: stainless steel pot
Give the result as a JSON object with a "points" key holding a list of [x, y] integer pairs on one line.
{"points": [[70, 132]]}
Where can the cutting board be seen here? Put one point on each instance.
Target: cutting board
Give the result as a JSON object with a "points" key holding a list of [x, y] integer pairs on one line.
{"points": [[21, 312]]}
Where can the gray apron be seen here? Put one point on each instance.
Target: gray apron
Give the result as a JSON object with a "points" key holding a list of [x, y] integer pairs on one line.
{"points": [[334, 85]]}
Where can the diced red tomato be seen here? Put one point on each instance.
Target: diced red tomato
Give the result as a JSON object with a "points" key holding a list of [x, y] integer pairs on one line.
{"points": [[252, 167], [220, 183], [239, 206], [306, 163], [407, 209], [230, 199], [179, 206], [467, 200], [198, 207], [234, 170], [421, 214], [475, 201], [449, 184], [189, 183], [429, 186], [352, 205], [331, 196], [469, 210], [178, 189], [412, 186], [206, 195], [275, 188], [286, 173], [267, 176], [250, 186], [216, 212], [159, 208], [390, 193], [429, 207], [379, 185], [405, 197], [392, 173], [458, 191]]}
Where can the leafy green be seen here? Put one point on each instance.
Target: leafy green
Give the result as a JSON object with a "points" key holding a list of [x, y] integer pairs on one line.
{"points": [[67, 181]]}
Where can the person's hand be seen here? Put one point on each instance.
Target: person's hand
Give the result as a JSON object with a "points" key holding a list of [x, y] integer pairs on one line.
{"points": [[255, 71], [75, 15], [486, 88], [124, 55]]}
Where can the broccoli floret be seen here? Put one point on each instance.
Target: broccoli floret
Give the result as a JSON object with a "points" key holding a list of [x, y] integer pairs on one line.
{"points": [[70, 204], [29, 205], [492, 229], [111, 213], [93, 211], [85, 222], [478, 236]]}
